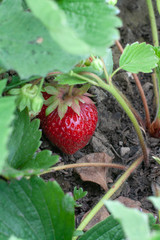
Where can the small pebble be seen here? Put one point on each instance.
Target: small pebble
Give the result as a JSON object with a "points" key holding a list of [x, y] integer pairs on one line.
{"points": [[124, 151]]}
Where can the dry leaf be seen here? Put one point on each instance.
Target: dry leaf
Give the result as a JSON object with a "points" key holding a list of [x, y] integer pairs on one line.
{"points": [[95, 174], [129, 202], [103, 213], [100, 216]]}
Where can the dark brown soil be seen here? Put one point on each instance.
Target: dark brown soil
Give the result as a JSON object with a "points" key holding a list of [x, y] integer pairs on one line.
{"points": [[114, 132]]}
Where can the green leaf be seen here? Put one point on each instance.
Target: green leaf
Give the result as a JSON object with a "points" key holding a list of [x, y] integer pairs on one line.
{"points": [[56, 23], [95, 22], [109, 229], [157, 159], [15, 238], [97, 19], [30, 48], [2, 85], [156, 236], [79, 193], [87, 69], [108, 60], [7, 107], [40, 162], [135, 223], [67, 79], [23, 143], [138, 57], [155, 201], [35, 210]]}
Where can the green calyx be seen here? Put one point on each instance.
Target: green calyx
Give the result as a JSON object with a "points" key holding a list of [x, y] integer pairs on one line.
{"points": [[66, 96], [97, 64], [28, 96]]}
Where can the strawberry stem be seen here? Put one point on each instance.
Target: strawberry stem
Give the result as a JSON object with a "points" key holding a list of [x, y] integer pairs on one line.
{"points": [[105, 70], [40, 86], [115, 92], [110, 193], [77, 165], [153, 23], [70, 91], [141, 91]]}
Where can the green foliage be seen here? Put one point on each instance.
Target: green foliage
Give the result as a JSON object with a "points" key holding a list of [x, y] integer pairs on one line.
{"points": [[157, 159], [28, 96], [138, 57], [7, 107], [109, 229], [68, 79], [134, 223], [20, 33], [108, 60], [94, 22], [155, 201], [2, 85], [22, 146], [49, 13], [33, 209], [15, 238], [36, 46], [79, 193]]}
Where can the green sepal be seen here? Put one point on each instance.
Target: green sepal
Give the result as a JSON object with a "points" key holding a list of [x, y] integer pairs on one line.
{"points": [[51, 90], [14, 91], [84, 89], [52, 107], [62, 109], [97, 64], [37, 103], [28, 96], [50, 100]]}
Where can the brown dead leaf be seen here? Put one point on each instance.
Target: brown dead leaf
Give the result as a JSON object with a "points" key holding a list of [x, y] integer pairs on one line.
{"points": [[100, 216], [95, 174], [103, 213], [131, 203]]}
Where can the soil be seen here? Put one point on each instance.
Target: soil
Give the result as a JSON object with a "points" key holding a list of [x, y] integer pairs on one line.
{"points": [[115, 134]]}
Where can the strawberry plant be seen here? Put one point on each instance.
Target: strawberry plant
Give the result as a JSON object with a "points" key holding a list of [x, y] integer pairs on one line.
{"points": [[70, 42]]}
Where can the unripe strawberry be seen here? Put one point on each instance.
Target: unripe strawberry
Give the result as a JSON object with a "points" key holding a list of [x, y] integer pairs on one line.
{"points": [[71, 120]]}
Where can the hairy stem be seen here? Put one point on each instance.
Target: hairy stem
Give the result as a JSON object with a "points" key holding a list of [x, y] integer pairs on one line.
{"points": [[105, 70], [133, 119], [78, 165], [156, 89], [153, 23], [110, 88], [109, 194], [141, 91]]}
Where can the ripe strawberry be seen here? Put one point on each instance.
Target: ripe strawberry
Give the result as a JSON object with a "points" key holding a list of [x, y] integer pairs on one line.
{"points": [[72, 117]]}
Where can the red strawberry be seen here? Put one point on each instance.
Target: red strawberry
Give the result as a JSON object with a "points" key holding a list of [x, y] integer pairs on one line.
{"points": [[71, 120]]}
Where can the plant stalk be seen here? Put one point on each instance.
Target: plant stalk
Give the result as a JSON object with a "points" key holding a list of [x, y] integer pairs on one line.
{"points": [[153, 23], [78, 165], [110, 193], [110, 88], [133, 119], [141, 91]]}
